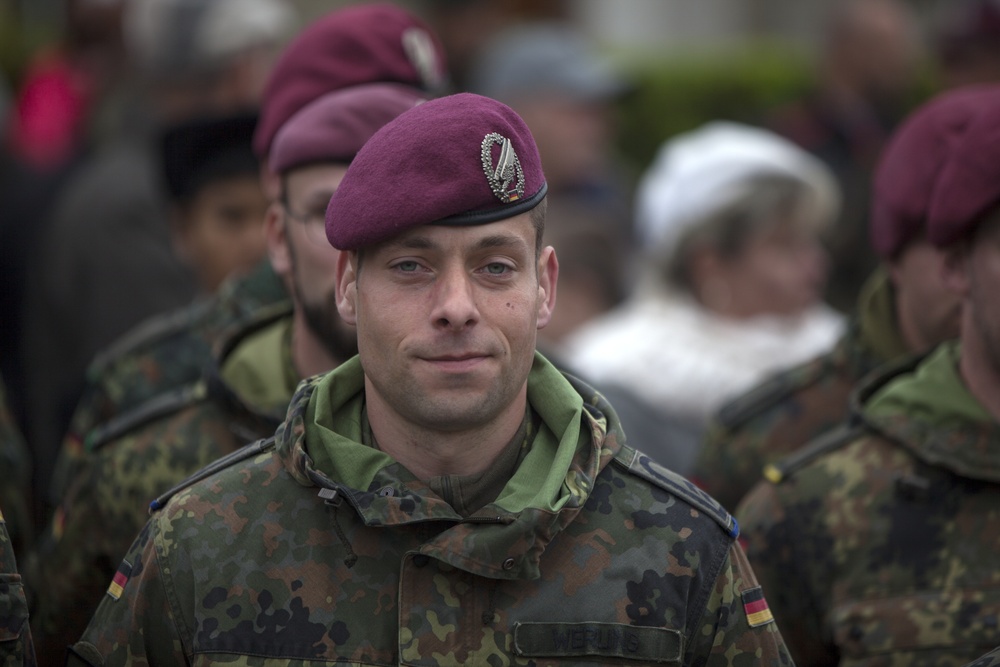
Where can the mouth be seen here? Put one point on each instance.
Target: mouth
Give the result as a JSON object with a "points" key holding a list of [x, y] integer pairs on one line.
{"points": [[456, 363]]}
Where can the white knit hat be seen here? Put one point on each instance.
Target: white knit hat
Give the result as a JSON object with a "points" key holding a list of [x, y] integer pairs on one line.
{"points": [[698, 173]]}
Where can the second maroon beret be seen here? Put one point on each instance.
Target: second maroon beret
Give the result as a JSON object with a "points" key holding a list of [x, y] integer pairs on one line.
{"points": [[457, 160], [334, 127], [940, 172], [360, 44]]}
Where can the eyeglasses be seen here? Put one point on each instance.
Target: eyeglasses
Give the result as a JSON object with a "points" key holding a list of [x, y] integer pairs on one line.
{"points": [[313, 222]]}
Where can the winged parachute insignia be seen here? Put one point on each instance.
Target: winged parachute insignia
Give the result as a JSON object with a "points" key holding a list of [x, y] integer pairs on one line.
{"points": [[507, 178]]}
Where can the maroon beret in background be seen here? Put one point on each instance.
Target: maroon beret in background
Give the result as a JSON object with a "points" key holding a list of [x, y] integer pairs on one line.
{"points": [[334, 127], [940, 171], [457, 160], [360, 44]]}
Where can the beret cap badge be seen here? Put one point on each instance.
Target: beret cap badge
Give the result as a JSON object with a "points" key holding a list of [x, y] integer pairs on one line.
{"points": [[506, 179]]}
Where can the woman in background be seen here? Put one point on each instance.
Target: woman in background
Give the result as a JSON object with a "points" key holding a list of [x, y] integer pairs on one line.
{"points": [[729, 218]]}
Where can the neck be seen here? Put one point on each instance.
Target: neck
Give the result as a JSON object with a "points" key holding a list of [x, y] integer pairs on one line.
{"points": [[427, 452], [979, 367], [309, 355]]}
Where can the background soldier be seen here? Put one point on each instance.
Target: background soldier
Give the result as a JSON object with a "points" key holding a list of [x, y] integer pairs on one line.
{"points": [[442, 496], [879, 546]]}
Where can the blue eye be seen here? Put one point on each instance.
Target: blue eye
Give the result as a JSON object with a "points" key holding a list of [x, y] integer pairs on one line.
{"points": [[408, 266], [496, 268]]}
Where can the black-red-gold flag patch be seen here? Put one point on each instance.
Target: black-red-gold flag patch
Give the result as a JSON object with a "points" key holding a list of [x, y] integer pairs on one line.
{"points": [[754, 604], [121, 578]]}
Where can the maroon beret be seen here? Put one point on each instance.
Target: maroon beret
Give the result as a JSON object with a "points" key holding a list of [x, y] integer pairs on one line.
{"points": [[336, 126], [457, 160], [940, 171], [359, 44]]}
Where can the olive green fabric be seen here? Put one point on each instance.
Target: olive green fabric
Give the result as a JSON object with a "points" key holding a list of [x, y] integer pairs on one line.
{"points": [[877, 314], [265, 379]]}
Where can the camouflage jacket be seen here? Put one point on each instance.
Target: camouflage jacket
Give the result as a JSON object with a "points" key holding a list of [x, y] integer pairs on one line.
{"points": [[15, 480], [165, 353], [797, 405], [879, 544], [15, 635], [591, 554], [156, 447]]}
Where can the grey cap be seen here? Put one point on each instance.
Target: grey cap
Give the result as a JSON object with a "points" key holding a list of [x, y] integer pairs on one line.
{"points": [[544, 57]]}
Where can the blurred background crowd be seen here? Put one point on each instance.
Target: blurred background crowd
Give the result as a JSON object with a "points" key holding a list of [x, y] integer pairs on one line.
{"points": [[710, 170]]}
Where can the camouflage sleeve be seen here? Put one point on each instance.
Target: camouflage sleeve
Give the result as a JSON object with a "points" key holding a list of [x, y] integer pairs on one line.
{"points": [[789, 562], [135, 623], [15, 635], [78, 556], [737, 628]]}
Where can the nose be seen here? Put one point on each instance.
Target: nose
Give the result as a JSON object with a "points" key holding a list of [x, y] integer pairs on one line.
{"points": [[454, 305]]}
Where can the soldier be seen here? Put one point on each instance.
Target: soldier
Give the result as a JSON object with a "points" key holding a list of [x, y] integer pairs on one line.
{"points": [[351, 46], [903, 309], [246, 389], [15, 635], [879, 546], [446, 497]]}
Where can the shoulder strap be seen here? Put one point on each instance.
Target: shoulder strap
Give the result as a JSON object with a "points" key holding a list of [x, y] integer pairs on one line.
{"points": [[830, 441], [161, 405], [241, 454], [151, 332], [646, 468], [771, 392]]}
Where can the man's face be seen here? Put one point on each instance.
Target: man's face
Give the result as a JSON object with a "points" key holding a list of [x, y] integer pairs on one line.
{"points": [[923, 299], [447, 319], [302, 255], [221, 230]]}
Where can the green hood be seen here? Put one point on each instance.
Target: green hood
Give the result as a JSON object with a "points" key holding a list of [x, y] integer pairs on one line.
{"points": [[924, 405]]}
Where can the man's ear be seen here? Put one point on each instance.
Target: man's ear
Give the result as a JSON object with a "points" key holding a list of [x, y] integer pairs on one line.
{"points": [[548, 279], [955, 269], [347, 286], [276, 234]]}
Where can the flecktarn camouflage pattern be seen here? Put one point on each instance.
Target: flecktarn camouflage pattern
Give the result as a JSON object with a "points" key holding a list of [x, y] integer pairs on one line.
{"points": [[883, 550], [591, 554]]}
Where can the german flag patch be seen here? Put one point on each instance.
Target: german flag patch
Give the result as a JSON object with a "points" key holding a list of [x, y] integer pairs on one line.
{"points": [[121, 578], [755, 606]]}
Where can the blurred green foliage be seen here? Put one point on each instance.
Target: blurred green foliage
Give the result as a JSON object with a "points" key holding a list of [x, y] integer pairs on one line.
{"points": [[680, 93]]}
